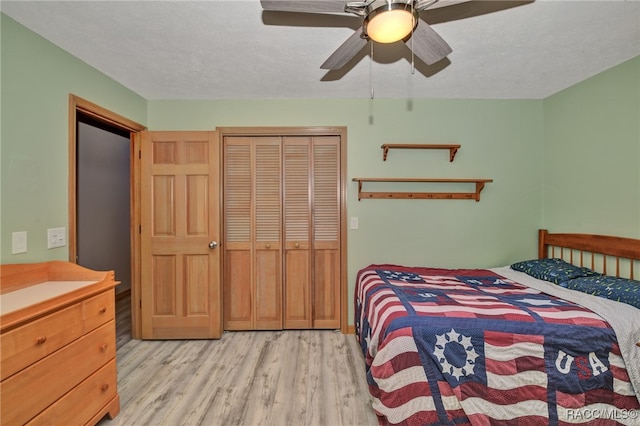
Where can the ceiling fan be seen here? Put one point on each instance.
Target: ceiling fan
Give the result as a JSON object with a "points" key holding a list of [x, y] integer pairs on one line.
{"points": [[384, 21]]}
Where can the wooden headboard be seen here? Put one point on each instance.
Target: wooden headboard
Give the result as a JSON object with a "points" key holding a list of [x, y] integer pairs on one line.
{"points": [[617, 256]]}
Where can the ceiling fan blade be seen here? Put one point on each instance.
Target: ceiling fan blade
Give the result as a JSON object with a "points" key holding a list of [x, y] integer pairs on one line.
{"points": [[427, 44], [421, 5], [347, 51], [305, 6]]}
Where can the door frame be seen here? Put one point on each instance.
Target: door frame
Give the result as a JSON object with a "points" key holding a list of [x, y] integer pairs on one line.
{"points": [[309, 131], [103, 115]]}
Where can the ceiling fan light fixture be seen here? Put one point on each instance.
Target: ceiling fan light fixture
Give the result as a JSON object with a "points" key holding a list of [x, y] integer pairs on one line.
{"points": [[390, 23]]}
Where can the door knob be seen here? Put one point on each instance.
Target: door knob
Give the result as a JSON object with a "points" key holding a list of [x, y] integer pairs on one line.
{"points": [[213, 244]]}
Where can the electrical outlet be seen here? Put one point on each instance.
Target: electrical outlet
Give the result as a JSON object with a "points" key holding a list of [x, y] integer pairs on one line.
{"points": [[56, 237], [354, 222], [19, 242]]}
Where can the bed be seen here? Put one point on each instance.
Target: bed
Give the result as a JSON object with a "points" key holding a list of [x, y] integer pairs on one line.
{"points": [[553, 340]]}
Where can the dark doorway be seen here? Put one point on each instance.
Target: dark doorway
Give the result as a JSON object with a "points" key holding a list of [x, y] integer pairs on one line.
{"points": [[103, 185]]}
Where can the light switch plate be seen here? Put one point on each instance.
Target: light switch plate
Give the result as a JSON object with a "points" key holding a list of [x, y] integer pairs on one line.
{"points": [[19, 242], [56, 237], [354, 222]]}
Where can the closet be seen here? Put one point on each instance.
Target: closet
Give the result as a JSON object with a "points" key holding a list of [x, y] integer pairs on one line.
{"points": [[282, 231]]}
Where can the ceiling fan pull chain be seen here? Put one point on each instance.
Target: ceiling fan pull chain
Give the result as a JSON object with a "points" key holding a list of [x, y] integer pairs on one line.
{"points": [[413, 64], [371, 71]]}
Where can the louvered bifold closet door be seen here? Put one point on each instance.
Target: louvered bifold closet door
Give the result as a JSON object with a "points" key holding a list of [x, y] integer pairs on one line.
{"points": [[252, 203], [267, 300], [237, 244], [298, 311], [282, 246], [326, 232]]}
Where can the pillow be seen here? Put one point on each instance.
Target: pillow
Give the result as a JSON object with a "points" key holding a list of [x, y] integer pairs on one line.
{"points": [[551, 269], [618, 289]]}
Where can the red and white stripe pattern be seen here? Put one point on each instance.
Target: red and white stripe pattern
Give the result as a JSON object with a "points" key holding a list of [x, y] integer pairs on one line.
{"points": [[512, 384], [402, 394]]}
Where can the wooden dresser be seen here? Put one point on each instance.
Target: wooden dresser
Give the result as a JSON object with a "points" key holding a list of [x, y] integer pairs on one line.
{"points": [[57, 344]]}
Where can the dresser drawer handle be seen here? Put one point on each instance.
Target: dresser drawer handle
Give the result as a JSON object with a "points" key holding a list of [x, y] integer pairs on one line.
{"points": [[103, 310], [104, 387], [103, 347], [41, 340]]}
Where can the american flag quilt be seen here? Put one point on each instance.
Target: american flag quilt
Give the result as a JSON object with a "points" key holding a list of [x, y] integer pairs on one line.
{"points": [[468, 346]]}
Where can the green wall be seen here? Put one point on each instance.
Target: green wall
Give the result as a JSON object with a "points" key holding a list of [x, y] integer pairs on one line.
{"points": [[501, 140], [592, 155], [36, 80]]}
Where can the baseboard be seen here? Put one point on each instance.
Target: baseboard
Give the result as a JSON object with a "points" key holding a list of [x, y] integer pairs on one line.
{"points": [[123, 294]]}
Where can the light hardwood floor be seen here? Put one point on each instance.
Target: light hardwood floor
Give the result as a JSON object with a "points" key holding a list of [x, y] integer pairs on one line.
{"points": [[246, 378]]}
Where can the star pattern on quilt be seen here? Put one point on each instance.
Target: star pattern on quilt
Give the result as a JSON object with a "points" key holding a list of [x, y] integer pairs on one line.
{"points": [[442, 340], [538, 302], [402, 276]]}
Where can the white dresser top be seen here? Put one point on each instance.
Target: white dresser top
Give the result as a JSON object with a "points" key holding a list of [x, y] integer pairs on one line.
{"points": [[15, 300]]}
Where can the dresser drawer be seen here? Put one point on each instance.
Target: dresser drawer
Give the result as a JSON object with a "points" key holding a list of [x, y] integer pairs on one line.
{"points": [[99, 309], [35, 388], [27, 344], [83, 401]]}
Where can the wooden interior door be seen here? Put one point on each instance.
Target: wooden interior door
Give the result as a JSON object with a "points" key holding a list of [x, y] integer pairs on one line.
{"points": [[326, 195], [311, 182], [298, 309], [267, 240], [283, 243], [237, 245], [180, 216], [252, 248]]}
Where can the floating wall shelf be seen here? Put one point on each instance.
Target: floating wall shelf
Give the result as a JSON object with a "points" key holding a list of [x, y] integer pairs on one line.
{"points": [[387, 146], [422, 195]]}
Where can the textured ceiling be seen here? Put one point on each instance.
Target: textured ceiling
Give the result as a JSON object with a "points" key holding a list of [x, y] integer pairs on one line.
{"points": [[220, 49]]}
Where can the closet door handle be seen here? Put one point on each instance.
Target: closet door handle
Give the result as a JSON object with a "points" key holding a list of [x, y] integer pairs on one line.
{"points": [[213, 244], [296, 245]]}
